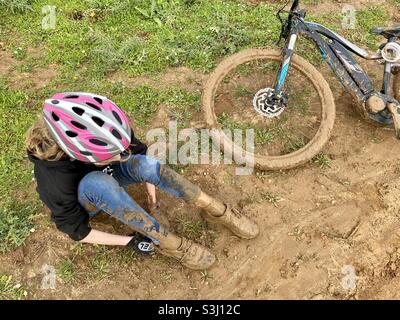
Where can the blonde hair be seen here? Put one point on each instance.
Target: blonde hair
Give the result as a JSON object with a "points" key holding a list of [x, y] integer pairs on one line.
{"points": [[41, 144]]}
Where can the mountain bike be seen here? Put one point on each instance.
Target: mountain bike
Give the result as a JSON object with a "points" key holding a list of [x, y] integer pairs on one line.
{"points": [[287, 101]]}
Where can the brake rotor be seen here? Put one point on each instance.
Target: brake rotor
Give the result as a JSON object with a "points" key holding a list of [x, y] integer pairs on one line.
{"points": [[262, 103]]}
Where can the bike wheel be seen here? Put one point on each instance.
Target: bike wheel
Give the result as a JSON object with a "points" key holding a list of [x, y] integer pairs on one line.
{"points": [[227, 103]]}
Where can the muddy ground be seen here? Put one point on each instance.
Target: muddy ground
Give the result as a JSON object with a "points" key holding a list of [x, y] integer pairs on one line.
{"points": [[327, 223]]}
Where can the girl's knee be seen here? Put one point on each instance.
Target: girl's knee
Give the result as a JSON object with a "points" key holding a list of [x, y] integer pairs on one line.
{"points": [[146, 169], [94, 191], [95, 182]]}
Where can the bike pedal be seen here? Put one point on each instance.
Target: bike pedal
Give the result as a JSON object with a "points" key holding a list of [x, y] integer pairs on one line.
{"points": [[395, 111]]}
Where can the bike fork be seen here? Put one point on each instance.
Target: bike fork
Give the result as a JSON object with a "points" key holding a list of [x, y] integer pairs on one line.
{"points": [[284, 68]]}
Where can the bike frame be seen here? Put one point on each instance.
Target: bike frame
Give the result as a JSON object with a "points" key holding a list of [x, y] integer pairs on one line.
{"points": [[337, 52]]}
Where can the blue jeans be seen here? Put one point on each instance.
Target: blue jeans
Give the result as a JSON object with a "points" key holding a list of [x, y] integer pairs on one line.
{"points": [[100, 191]]}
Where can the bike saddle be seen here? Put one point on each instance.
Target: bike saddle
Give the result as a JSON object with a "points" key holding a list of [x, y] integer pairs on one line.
{"points": [[387, 32]]}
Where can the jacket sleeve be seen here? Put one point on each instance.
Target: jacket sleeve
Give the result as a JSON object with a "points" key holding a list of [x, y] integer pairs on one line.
{"points": [[66, 212], [136, 146]]}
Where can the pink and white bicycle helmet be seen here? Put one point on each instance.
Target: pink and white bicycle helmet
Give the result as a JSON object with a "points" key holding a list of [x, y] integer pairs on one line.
{"points": [[87, 127]]}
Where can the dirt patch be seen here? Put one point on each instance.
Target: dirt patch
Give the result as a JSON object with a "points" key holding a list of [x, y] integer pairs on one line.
{"points": [[37, 78]]}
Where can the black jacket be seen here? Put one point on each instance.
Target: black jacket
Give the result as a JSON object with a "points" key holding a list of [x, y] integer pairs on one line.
{"points": [[57, 185]]}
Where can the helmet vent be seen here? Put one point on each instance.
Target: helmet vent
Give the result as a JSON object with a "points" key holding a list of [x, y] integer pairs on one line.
{"points": [[98, 100], [98, 142], [98, 121], [54, 116], [93, 106], [55, 101], [117, 117], [86, 153], [78, 125], [116, 134], [78, 110], [71, 96], [71, 134]]}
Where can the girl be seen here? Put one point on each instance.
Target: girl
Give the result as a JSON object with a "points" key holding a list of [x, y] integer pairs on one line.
{"points": [[84, 153]]}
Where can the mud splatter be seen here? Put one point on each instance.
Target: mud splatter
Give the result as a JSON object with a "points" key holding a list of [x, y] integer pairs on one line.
{"points": [[90, 207], [129, 216], [186, 190]]}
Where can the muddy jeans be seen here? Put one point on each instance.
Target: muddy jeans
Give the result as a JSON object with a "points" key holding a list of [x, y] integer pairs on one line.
{"points": [[101, 191]]}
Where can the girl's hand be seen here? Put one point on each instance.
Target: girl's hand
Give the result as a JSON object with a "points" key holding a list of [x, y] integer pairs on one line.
{"points": [[151, 193]]}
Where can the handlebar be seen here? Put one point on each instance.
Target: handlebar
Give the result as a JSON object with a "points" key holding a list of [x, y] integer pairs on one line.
{"points": [[286, 25]]}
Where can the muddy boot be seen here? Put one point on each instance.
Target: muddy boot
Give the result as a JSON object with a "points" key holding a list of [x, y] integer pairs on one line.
{"points": [[218, 212], [188, 253]]}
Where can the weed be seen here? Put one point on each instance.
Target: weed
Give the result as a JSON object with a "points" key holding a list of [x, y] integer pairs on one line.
{"points": [[205, 277], [16, 213], [16, 223], [19, 53], [150, 13], [9, 291], [166, 277], [193, 33], [108, 57], [271, 198], [196, 230], [101, 264], [191, 229], [15, 6], [126, 257], [77, 249], [66, 271], [323, 160], [241, 91]]}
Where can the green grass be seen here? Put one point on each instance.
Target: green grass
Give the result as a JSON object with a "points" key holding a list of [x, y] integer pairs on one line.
{"points": [[182, 104], [107, 35], [18, 205], [366, 19], [197, 230], [100, 265], [271, 198], [374, 16], [127, 257], [323, 160], [276, 132], [9, 290], [258, 197], [14, 6], [191, 229], [261, 135], [142, 102], [66, 270], [121, 37], [16, 223]]}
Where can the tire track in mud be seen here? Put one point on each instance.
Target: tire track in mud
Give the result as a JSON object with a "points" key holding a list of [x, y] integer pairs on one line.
{"points": [[307, 262]]}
